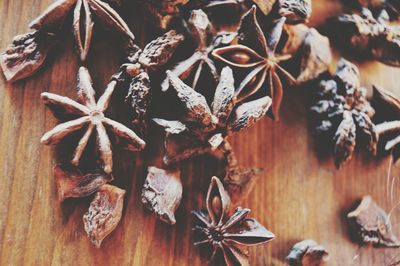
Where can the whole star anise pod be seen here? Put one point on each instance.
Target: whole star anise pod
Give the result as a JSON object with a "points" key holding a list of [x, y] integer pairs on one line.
{"points": [[343, 113], [204, 128], [255, 54], [388, 106], [228, 233], [364, 36], [28, 52], [203, 34], [133, 76], [89, 114]]}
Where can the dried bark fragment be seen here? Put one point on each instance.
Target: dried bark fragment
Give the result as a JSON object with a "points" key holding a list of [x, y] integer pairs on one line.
{"points": [[161, 12], [364, 36], [104, 213], [162, 193], [296, 11], [256, 55], [307, 253], [382, 9], [228, 235], [25, 55], [372, 224], [72, 183], [265, 5], [91, 116], [344, 114]]}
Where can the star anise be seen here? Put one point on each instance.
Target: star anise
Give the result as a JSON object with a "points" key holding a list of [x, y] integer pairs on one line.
{"points": [[202, 32], [89, 114], [256, 55], [364, 36], [229, 234], [29, 51], [388, 104], [133, 76], [343, 113], [204, 128]]}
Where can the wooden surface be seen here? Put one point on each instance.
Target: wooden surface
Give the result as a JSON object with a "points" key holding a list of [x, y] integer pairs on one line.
{"points": [[299, 196]]}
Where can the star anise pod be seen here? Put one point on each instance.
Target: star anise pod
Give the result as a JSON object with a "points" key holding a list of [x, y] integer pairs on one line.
{"points": [[227, 233], [204, 128], [162, 12], [133, 76], [202, 32], [388, 104], [89, 114], [343, 113], [28, 52], [255, 54], [364, 36]]}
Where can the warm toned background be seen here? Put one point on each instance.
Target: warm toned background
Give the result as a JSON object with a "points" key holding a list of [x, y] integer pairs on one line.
{"points": [[299, 196]]}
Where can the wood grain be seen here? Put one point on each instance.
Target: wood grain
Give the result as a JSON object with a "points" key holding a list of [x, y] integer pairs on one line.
{"points": [[300, 195]]}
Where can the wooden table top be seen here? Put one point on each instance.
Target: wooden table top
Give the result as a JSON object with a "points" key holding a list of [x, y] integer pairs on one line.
{"points": [[300, 195]]}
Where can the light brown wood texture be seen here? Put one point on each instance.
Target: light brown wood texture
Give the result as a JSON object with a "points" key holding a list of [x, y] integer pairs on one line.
{"points": [[300, 195]]}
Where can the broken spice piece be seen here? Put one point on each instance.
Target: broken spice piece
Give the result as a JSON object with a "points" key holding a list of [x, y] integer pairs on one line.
{"points": [[343, 113], [256, 55], [104, 213], [133, 76], [228, 233], [296, 11], [162, 193], [88, 114], [72, 183], [307, 253], [203, 34], [161, 12], [372, 225]]}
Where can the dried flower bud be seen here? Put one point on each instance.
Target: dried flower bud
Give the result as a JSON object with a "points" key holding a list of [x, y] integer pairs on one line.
{"points": [[162, 193], [372, 225], [71, 183], [307, 253], [104, 213]]}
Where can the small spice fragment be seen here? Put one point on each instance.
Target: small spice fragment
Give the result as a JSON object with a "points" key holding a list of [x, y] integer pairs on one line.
{"points": [[25, 55], [296, 11], [90, 114], [228, 233], [364, 36], [372, 224], [203, 34], [162, 193], [389, 106], [204, 125], [256, 54], [343, 113], [72, 183], [104, 213], [307, 253], [133, 76], [161, 12], [382, 9]]}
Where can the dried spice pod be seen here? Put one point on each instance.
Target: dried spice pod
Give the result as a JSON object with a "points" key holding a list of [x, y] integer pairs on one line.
{"points": [[296, 11], [203, 34], [310, 49], [89, 114], [104, 213], [227, 233], [255, 55], [307, 253], [372, 225], [161, 12], [162, 193], [381, 9], [133, 76], [72, 183], [363, 35], [28, 52], [343, 113], [208, 126], [25, 55], [389, 106]]}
